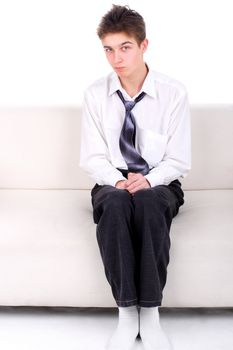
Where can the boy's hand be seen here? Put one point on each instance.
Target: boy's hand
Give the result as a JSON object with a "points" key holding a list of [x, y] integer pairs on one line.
{"points": [[136, 182]]}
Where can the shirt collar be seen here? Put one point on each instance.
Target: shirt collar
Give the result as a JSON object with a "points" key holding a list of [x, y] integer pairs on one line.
{"points": [[149, 85], [114, 84]]}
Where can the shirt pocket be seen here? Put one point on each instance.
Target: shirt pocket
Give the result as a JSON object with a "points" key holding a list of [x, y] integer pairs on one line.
{"points": [[151, 145]]}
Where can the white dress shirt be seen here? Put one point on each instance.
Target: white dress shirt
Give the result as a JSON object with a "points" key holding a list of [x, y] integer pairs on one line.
{"points": [[162, 129]]}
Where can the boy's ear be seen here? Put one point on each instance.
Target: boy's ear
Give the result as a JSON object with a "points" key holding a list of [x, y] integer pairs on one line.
{"points": [[144, 45]]}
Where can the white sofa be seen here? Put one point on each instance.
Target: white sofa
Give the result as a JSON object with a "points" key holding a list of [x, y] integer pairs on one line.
{"points": [[48, 250]]}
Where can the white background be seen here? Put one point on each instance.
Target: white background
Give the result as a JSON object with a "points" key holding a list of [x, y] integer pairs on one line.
{"points": [[49, 50]]}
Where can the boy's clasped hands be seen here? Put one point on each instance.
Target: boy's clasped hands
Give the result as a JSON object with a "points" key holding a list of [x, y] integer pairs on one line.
{"points": [[134, 183]]}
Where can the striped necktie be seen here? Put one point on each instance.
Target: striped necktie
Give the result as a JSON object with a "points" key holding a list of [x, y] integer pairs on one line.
{"points": [[133, 159]]}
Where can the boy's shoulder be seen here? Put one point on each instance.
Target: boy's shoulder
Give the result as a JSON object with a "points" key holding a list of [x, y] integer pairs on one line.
{"points": [[166, 81], [100, 85]]}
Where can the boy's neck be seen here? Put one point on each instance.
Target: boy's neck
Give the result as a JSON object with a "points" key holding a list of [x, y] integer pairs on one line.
{"points": [[133, 85]]}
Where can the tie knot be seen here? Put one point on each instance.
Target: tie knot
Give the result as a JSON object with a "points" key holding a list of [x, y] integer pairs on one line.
{"points": [[129, 105]]}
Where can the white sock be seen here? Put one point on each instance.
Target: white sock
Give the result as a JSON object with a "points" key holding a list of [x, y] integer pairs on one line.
{"points": [[152, 335], [126, 331]]}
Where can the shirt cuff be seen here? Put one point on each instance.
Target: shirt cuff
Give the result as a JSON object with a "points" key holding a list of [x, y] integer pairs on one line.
{"points": [[112, 178], [155, 179]]}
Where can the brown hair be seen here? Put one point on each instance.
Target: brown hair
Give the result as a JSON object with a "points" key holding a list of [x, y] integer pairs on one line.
{"points": [[122, 19]]}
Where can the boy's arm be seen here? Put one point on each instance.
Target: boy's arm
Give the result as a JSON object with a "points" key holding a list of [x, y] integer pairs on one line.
{"points": [[94, 156], [177, 159]]}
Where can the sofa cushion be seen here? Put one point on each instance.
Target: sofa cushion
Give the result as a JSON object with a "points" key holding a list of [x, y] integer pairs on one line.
{"points": [[49, 253]]}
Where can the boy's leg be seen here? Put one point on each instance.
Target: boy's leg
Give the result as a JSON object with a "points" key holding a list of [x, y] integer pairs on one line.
{"points": [[113, 214], [154, 210]]}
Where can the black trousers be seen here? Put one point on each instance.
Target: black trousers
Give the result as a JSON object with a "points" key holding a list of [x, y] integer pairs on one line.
{"points": [[133, 237]]}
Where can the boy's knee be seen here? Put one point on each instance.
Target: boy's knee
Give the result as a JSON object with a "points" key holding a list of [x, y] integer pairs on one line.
{"points": [[119, 199]]}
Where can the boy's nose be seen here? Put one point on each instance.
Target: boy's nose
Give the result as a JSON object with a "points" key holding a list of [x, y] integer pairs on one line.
{"points": [[117, 57]]}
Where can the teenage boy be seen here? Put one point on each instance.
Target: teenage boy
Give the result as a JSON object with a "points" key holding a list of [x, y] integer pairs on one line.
{"points": [[135, 145]]}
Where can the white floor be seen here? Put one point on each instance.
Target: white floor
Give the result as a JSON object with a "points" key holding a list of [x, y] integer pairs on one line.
{"points": [[23, 328]]}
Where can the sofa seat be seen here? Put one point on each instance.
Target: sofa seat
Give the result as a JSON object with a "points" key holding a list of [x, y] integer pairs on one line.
{"points": [[49, 254]]}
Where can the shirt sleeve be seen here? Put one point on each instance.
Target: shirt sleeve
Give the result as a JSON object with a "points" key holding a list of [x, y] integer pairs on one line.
{"points": [[177, 158], [94, 155]]}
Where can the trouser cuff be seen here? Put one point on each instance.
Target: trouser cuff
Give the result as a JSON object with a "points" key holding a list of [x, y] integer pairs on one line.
{"points": [[149, 303], [131, 302]]}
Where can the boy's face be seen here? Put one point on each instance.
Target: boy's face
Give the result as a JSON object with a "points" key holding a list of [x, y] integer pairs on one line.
{"points": [[123, 53]]}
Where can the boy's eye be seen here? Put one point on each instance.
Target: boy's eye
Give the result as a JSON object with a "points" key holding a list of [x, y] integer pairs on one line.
{"points": [[107, 49], [125, 48]]}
